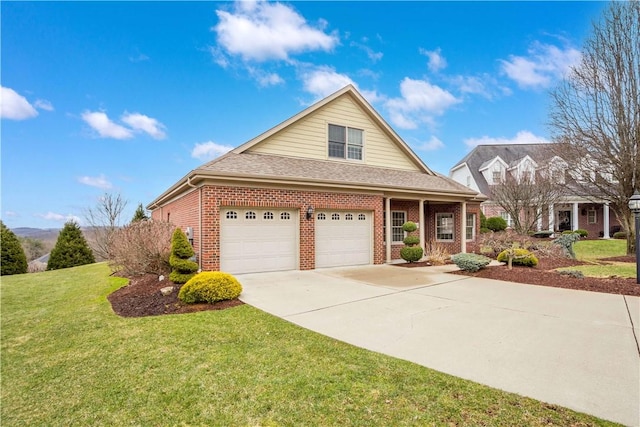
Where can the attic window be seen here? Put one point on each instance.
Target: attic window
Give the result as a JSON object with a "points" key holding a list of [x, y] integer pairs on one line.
{"points": [[345, 142]]}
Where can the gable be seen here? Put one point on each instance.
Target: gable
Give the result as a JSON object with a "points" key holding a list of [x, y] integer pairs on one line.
{"points": [[307, 137]]}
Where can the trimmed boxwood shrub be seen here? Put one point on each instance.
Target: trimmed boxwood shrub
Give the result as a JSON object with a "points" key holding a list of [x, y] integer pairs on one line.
{"points": [[409, 226], [470, 262], [411, 253], [411, 240], [496, 223], [210, 286], [520, 257], [182, 267], [542, 234], [484, 230], [620, 235], [582, 232]]}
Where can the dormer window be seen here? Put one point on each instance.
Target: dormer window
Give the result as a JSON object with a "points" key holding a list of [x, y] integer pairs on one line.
{"points": [[497, 177], [345, 142]]}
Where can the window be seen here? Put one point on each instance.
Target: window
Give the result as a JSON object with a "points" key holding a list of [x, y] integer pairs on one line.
{"points": [[444, 227], [507, 218], [232, 215], [348, 217], [285, 215], [321, 216], [267, 215], [335, 217], [362, 217], [250, 215], [497, 177], [345, 143], [471, 226], [397, 219], [592, 217]]}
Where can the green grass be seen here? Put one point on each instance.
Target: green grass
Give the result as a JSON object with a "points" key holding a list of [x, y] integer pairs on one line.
{"points": [[592, 251], [68, 360]]}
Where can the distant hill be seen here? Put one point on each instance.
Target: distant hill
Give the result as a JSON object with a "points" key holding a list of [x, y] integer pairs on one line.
{"points": [[37, 233]]}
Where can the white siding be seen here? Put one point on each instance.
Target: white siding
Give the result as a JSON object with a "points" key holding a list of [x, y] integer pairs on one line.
{"points": [[308, 137]]}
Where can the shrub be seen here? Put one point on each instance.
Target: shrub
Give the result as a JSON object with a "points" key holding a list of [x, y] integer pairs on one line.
{"points": [[182, 267], [437, 254], [71, 249], [572, 273], [483, 221], [409, 226], [620, 235], [411, 253], [13, 260], [518, 256], [484, 230], [566, 241], [581, 232], [210, 286], [142, 247], [542, 234], [496, 223], [470, 262], [411, 240], [567, 232]]}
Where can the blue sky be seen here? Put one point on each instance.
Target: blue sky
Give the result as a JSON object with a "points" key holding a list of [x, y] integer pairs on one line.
{"points": [[125, 97]]}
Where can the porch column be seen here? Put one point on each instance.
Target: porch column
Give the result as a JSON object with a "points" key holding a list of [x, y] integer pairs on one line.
{"points": [[539, 225], [387, 221], [605, 221], [552, 217], [422, 229], [463, 232], [574, 226]]}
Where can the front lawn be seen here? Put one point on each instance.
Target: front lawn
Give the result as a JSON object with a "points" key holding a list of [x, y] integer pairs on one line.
{"points": [[595, 253], [67, 360]]}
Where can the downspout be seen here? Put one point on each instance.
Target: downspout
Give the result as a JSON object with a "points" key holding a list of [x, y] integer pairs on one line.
{"points": [[199, 221]]}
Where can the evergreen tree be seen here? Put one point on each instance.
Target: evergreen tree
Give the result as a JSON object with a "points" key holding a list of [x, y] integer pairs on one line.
{"points": [[182, 267], [71, 249], [13, 259], [140, 214]]}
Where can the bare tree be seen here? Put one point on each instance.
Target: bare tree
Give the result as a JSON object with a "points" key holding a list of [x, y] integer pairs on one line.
{"points": [[104, 219], [596, 113], [526, 197]]}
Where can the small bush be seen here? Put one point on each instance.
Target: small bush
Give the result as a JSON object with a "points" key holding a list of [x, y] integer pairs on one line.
{"points": [[437, 254], [567, 232], [142, 247], [411, 253], [484, 230], [409, 226], [520, 257], [411, 240], [620, 235], [572, 273], [566, 241], [483, 221], [542, 234], [496, 223], [582, 232], [470, 262], [210, 286], [182, 268]]}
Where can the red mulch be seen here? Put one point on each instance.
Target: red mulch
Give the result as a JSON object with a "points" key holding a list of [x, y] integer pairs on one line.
{"points": [[142, 297], [543, 275]]}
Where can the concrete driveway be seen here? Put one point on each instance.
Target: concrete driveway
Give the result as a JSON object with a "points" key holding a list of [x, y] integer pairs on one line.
{"points": [[572, 348]]}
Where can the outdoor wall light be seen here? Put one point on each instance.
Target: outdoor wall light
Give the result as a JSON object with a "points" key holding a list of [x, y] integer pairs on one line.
{"points": [[634, 206], [310, 211]]}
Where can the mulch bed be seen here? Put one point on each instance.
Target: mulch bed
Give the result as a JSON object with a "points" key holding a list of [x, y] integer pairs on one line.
{"points": [[142, 297], [543, 275]]}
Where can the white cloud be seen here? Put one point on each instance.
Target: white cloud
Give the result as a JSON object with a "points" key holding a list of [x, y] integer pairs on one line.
{"points": [[420, 102], [262, 31], [436, 60], [43, 104], [324, 81], [543, 65], [265, 79], [101, 123], [371, 54], [14, 106], [52, 216], [209, 150], [431, 145], [140, 122], [11, 214], [522, 137], [96, 181]]}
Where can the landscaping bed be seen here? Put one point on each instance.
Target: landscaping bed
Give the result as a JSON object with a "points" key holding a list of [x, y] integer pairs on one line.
{"points": [[544, 275], [142, 297]]}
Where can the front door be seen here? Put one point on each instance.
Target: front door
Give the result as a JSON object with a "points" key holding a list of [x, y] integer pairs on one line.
{"points": [[564, 220]]}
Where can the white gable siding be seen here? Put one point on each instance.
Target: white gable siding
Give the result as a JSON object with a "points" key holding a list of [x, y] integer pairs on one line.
{"points": [[308, 137], [463, 175]]}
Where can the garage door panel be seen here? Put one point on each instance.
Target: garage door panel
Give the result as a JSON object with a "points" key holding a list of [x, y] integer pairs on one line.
{"points": [[343, 238], [256, 240]]}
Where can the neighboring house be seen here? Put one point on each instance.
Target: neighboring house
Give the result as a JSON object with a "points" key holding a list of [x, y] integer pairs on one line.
{"points": [[487, 165], [328, 187]]}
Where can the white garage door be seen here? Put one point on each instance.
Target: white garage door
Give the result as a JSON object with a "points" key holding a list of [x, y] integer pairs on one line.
{"points": [[256, 240], [343, 238]]}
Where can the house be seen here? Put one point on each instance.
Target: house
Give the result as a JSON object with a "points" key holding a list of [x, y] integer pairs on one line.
{"points": [[331, 186], [487, 165]]}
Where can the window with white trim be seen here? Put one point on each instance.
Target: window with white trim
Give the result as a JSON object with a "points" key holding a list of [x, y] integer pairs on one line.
{"points": [[232, 215], [592, 216], [507, 218], [250, 215], [444, 227], [471, 226], [398, 218], [321, 217], [345, 142]]}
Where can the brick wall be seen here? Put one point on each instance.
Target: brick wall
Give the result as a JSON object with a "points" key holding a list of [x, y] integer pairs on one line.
{"points": [[182, 212]]}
